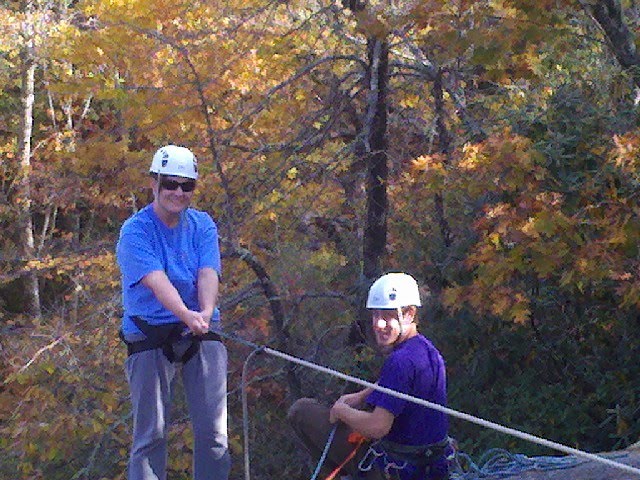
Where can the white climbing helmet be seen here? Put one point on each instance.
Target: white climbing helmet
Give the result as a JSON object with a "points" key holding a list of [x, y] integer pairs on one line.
{"points": [[392, 291], [174, 161]]}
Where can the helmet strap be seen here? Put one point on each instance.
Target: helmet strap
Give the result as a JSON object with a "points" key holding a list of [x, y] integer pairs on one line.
{"points": [[400, 322]]}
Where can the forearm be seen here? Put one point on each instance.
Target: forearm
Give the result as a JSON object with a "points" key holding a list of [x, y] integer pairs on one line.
{"points": [[165, 292], [372, 425], [208, 286], [169, 297]]}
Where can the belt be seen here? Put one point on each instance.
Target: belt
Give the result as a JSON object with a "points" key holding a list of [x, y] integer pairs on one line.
{"points": [[416, 454]]}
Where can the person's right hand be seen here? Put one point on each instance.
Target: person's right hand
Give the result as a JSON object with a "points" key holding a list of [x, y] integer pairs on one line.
{"points": [[351, 399], [196, 322]]}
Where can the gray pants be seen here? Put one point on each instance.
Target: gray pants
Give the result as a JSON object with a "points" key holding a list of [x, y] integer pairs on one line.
{"points": [[150, 376]]}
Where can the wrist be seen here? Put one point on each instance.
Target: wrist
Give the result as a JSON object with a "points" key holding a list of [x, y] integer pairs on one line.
{"points": [[183, 315], [207, 313]]}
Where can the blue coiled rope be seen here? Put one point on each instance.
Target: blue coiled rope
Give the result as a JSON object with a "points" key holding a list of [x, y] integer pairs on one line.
{"points": [[498, 463]]}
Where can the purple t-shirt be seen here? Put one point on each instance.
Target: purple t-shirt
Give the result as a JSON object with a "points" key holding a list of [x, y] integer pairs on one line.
{"points": [[415, 367]]}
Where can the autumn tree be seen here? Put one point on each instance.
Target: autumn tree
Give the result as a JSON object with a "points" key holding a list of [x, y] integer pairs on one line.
{"points": [[488, 148]]}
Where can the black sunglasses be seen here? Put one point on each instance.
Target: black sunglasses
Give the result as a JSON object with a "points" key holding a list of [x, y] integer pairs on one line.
{"points": [[187, 186]]}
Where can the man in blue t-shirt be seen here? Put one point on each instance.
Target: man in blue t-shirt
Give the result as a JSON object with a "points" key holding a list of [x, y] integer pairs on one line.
{"points": [[169, 260], [407, 441]]}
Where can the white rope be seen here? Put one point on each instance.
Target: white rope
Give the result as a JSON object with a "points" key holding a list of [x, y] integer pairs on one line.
{"points": [[245, 414], [454, 413]]}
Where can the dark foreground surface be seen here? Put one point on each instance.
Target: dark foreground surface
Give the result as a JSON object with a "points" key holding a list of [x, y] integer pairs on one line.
{"points": [[585, 469]]}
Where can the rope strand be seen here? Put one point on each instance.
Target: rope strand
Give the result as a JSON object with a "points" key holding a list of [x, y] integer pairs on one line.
{"points": [[324, 452], [245, 410]]}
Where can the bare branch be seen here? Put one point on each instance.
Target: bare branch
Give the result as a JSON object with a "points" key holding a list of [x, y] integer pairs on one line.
{"points": [[35, 357], [302, 72]]}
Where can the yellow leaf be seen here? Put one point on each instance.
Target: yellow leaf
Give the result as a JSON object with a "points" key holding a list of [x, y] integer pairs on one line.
{"points": [[292, 173], [410, 101], [494, 239]]}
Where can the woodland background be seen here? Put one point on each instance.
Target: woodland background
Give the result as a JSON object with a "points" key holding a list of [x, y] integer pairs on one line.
{"points": [[490, 148]]}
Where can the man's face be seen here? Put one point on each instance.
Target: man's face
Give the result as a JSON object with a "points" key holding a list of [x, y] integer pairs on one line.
{"points": [[386, 327], [174, 194]]}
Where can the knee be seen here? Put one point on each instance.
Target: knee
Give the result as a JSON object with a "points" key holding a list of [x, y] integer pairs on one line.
{"points": [[149, 425], [299, 407], [149, 440], [216, 445], [155, 434]]}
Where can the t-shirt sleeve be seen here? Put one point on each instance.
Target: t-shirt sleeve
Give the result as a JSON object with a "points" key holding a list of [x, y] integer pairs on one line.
{"points": [[136, 256], [208, 245], [394, 376]]}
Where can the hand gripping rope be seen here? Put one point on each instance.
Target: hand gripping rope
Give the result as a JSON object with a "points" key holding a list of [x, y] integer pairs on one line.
{"points": [[449, 411]]}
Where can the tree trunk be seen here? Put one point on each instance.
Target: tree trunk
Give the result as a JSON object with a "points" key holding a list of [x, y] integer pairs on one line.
{"points": [[609, 15], [22, 192], [375, 152], [443, 147], [375, 231], [277, 309]]}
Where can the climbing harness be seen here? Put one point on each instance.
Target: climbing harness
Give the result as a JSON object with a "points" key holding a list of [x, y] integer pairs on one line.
{"points": [[416, 453], [449, 411], [171, 338], [391, 467], [392, 458]]}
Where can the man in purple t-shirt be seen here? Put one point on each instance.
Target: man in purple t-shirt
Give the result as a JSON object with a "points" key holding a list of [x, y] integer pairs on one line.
{"points": [[408, 441]]}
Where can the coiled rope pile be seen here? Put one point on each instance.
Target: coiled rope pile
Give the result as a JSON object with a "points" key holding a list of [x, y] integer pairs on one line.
{"points": [[498, 463]]}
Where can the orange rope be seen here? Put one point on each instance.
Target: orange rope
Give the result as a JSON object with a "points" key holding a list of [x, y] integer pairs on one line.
{"points": [[356, 439]]}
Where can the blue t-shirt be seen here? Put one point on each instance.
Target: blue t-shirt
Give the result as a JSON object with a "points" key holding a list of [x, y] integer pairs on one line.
{"points": [[146, 244], [415, 367]]}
